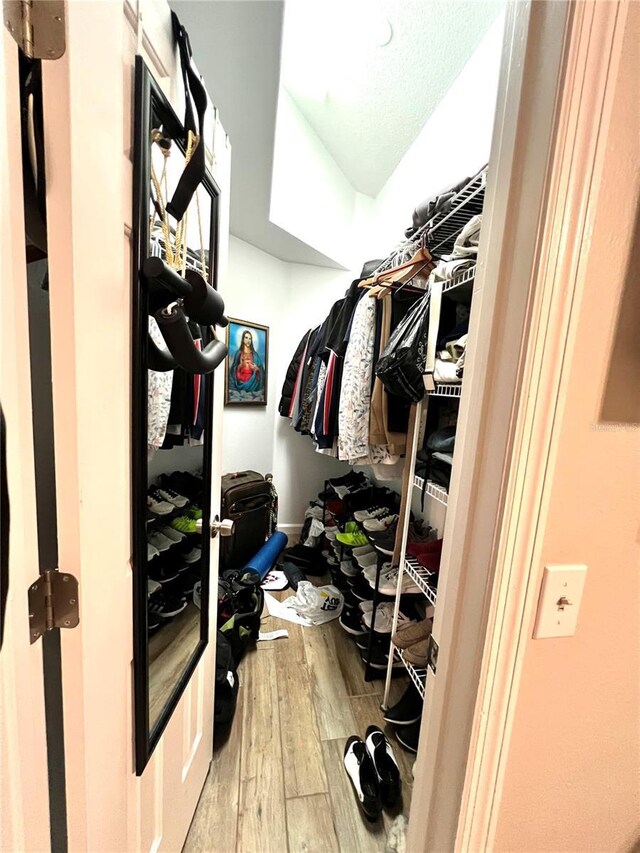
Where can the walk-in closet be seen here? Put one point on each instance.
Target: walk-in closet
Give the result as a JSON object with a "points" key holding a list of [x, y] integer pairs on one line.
{"points": [[315, 340]]}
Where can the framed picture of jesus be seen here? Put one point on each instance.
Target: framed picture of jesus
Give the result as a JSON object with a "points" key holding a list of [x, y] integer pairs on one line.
{"points": [[247, 364]]}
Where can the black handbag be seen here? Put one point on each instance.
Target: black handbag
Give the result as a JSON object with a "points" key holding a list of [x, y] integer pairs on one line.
{"points": [[402, 363]]}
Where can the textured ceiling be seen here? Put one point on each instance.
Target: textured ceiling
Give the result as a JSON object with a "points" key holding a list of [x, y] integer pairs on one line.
{"points": [[367, 102]]}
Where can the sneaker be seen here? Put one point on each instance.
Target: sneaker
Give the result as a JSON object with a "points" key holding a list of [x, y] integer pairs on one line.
{"points": [[373, 512], [380, 658], [408, 737], [383, 523], [420, 532], [152, 551], [152, 587], [351, 621], [371, 572], [331, 533], [385, 542], [389, 583], [347, 568], [432, 546], [409, 633], [384, 618], [157, 505], [184, 524], [407, 710], [188, 580], [194, 512], [172, 497], [352, 540], [364, 779], [161, 572], [369, 560], [166, 606], [159, 541], [153, 622], [172, 534], [361, 590], [192, 555], [385, 765]]}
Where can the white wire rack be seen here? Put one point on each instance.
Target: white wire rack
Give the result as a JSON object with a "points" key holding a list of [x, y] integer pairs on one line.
{"points": [[465, 278], [443, 229], [444, 389], [436, 492], [419, 576], [418, 674]]}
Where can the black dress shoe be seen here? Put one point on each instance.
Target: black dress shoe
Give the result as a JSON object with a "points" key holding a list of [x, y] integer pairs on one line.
{"points": [[407, 710], [408, 736], [385, 765], [364, 779]]}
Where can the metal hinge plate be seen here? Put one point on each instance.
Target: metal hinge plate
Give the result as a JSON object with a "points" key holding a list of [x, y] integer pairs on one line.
{"points": [[37, 26], [432, 654], [53, 603]]}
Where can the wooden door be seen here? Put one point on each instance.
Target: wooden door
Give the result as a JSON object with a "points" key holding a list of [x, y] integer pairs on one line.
{"points": [[88, 101], [23, 750]]}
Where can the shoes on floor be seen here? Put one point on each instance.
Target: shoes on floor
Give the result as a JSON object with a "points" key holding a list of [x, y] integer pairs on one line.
{"points": [[380, 657], [172, 496], [385, 765], [364, 779], [407, 710], [409, 633], [408, 736], [157, 505]]}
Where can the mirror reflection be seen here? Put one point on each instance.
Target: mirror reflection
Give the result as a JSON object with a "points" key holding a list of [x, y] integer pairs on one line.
{"points": [[177, 421]]}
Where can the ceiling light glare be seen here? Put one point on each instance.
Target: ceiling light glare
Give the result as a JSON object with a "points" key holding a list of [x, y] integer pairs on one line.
{"points": [[380, 30]]}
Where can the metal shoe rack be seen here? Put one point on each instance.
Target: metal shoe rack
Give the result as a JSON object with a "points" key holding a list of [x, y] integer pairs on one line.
{"points": [[340, 550], [442, 232]]}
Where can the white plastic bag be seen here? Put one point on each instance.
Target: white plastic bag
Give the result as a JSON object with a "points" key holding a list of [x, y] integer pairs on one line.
{"points": [[316, 604], [314, 533]]}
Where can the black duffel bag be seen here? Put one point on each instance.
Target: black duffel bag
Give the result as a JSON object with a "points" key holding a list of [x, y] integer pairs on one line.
{"points": [[402, 363], [226, 695]]}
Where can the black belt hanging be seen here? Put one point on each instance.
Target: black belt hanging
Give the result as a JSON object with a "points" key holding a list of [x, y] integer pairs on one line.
{"points": [[193, 173]]}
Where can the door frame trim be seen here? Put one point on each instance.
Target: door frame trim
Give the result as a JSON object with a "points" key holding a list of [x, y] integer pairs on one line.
{"points": [[558, 66]]}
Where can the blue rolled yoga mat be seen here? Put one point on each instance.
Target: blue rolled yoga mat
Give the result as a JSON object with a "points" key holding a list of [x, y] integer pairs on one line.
{"points": [[265, 559]]}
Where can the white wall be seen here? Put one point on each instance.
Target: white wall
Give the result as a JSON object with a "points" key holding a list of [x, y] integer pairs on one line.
{"points": [[289, 299]]}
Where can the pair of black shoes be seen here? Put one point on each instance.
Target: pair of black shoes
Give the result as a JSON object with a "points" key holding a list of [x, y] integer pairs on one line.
{"points": [[405, 716], [373, 770]]}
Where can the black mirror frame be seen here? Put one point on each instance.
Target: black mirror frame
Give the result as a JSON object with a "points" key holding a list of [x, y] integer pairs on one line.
{"points": [[151, 109]]}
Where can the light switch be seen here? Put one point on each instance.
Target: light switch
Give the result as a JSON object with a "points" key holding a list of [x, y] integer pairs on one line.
{"points": [[559, 601]]}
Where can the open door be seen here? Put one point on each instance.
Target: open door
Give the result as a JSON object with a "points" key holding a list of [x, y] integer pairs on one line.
{"points": [[113, 801], [23, 745]]}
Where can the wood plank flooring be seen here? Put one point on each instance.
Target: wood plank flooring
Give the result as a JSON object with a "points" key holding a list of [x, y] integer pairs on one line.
{"points": [[277, 783]]}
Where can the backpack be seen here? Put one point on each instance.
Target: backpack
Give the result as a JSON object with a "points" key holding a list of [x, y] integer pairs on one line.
{"points": [[226, 695]]}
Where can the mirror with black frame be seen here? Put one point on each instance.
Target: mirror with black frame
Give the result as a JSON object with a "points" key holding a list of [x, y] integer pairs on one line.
{"points": [[175, 349]]}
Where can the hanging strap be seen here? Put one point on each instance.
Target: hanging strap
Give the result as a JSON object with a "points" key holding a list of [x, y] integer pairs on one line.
{"points": [[193, 173], [432, 335]]}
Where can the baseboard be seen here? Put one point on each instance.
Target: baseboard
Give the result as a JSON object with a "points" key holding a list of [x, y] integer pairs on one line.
{"points": [[292, 531]]}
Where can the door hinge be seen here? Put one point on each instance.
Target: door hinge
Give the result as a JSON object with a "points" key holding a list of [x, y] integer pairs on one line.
{"points": [[432, 654], [53, 603], [37, 26]]}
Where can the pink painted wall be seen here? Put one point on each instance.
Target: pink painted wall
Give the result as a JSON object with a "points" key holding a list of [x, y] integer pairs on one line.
{"points": [[572, 779]]}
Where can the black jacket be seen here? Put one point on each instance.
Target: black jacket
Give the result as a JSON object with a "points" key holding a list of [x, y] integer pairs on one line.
{"points": [[290, 379]]}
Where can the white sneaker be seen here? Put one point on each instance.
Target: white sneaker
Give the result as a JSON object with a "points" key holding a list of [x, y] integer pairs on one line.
{"points": [[153, 586], [375, 512], [159, 507], [331, 533], [379, 523], [362, 551], [159, 541], [152, 551], [172, 497], [193, 556], [347, 568], [371, 571], [389, 583], [367, 560], [384, 618], [172, 534]]}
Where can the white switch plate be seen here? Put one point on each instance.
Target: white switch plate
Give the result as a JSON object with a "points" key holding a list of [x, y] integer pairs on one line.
{"points": [[553, 619]]}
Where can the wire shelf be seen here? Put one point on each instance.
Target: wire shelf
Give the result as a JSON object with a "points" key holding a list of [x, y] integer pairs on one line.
{"points": [[464, 278], [443, 229], [418, 674], [438, 493], [444, 389], [419, 576]]}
